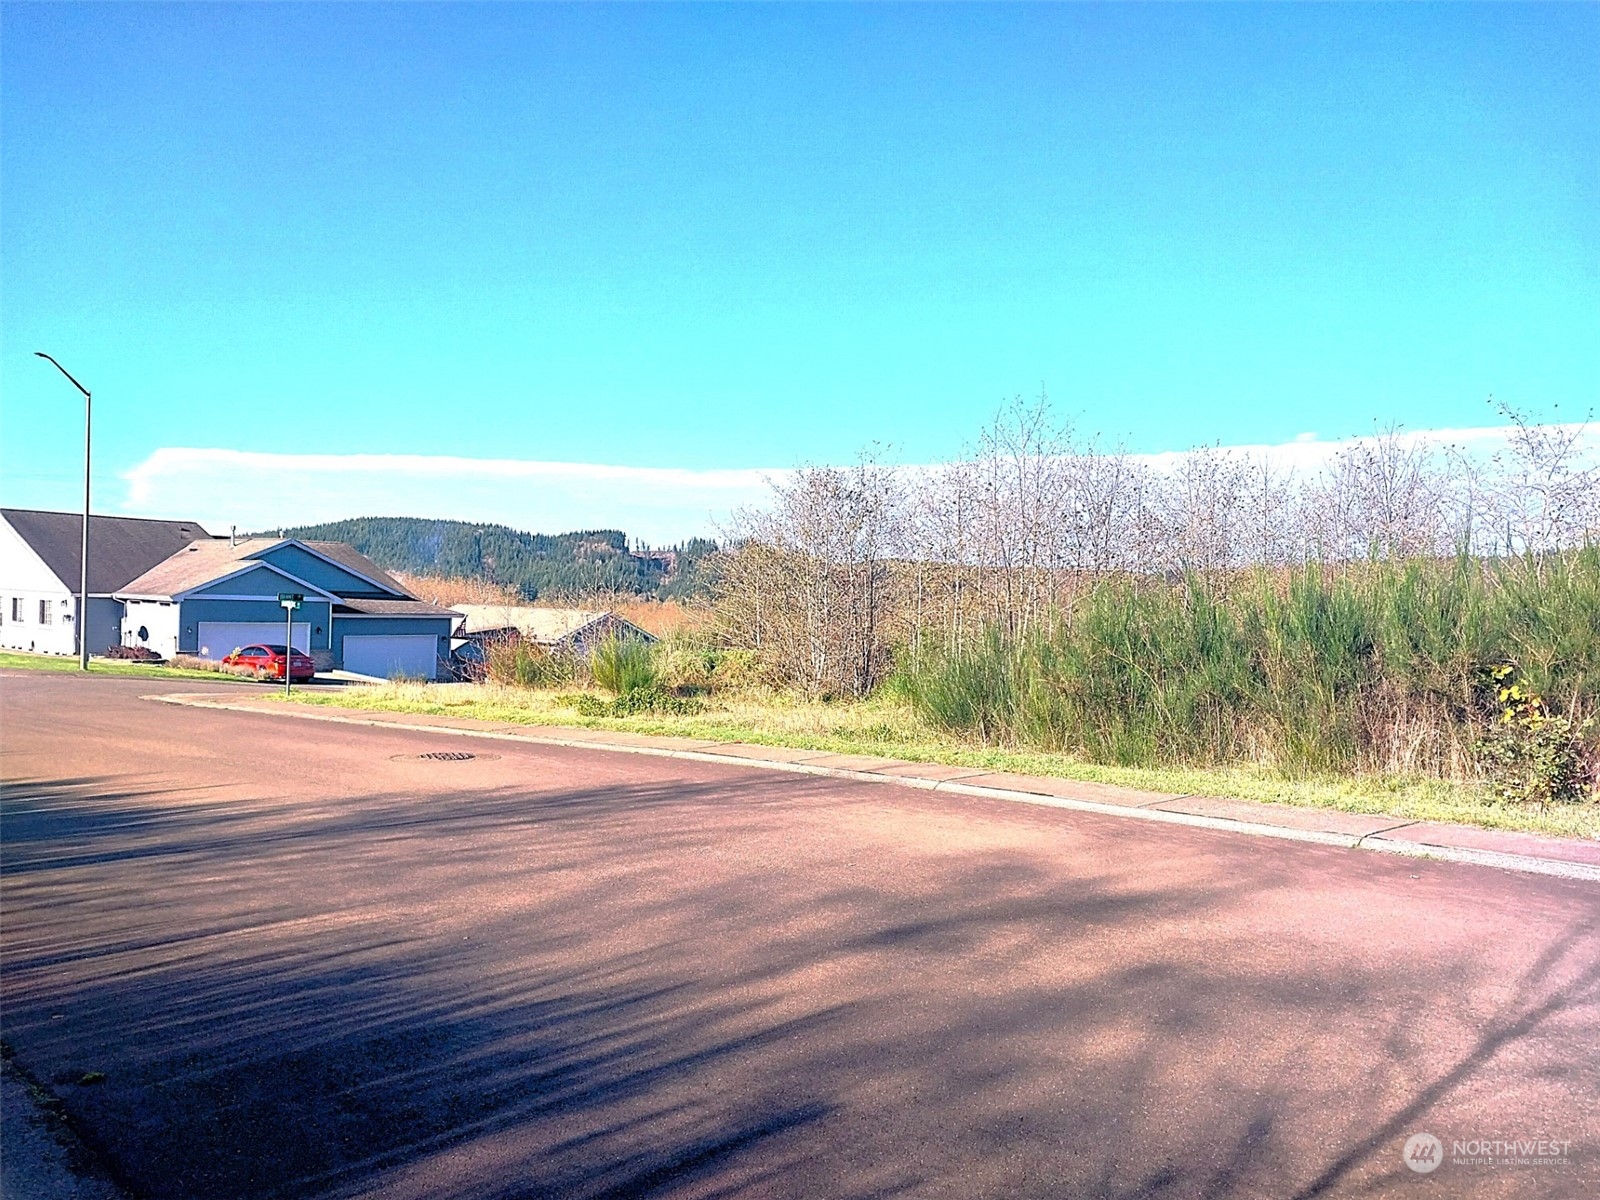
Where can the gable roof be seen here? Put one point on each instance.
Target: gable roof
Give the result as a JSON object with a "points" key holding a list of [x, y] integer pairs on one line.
{"points": [[199, 564], [120, 548], [547, 626]]}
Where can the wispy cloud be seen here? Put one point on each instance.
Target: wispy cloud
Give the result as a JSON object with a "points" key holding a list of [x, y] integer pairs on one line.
{"points": [[258, 490], [1308, 454]]}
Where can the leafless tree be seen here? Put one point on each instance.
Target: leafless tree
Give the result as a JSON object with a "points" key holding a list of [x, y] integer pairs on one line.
{"points": [[1203, 496], [1546, 489], [1382, 498], [809, 582], [1021, 470], [847, 562]]}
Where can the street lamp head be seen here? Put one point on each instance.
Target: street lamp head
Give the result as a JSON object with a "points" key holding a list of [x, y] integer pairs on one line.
{"points": [[64, 371]]}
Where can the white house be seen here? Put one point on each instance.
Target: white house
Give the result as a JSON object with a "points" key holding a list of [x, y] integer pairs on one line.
{"points": [[40, 563]]}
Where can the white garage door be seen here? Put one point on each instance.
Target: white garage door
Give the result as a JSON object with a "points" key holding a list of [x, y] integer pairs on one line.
{"points": [[414, 655], [218, 639]]}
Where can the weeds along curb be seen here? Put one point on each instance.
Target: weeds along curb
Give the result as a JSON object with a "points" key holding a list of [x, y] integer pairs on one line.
{"points": [[1527, 864]]}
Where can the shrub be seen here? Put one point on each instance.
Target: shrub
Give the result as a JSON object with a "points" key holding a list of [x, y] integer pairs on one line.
{"points": [[622, 665], [520, 663], [1531, 755], [691, 660], [133, 654], [652, 699], [973, 690], [193, 662]]}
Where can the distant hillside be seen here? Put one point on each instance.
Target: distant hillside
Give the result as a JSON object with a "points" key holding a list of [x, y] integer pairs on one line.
{"points": [[536, 564]]}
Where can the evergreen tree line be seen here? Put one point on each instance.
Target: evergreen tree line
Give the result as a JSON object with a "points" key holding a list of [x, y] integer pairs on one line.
{"points": [[537, 565]]}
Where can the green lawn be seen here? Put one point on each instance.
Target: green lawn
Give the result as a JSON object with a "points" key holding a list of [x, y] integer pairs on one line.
{"points": [[888, 727], [110, 666]]}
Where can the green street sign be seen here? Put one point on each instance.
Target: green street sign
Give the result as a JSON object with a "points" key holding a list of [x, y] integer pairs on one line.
{"points": [[291, 599]]}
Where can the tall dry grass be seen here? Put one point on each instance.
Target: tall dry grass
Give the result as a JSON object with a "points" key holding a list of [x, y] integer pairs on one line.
{"points": [[451, 590]]}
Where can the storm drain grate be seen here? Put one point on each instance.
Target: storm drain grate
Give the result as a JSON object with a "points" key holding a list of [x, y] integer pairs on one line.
{"points": [[443, 756]]}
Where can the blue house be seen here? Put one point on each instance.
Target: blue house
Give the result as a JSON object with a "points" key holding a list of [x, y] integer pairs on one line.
{"points": [[215, 595]]}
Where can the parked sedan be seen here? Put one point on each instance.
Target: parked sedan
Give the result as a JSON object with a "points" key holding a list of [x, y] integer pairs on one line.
{"points": [[270, 662]]}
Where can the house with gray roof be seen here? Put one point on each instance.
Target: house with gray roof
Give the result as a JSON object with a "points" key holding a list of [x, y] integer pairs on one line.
{"points": [[212, 597], [569, 629], [40, 567]]}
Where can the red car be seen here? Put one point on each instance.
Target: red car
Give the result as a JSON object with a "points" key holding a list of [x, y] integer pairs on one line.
{"points": [[270, 662]]}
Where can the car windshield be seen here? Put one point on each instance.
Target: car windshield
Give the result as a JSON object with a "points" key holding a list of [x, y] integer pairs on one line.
{"points": [[275, 649]]}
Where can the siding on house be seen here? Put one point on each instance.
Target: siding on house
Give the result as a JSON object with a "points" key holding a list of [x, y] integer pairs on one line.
{"points": [[266, 611], [28, 581], [261, 581], [330, 578], [105, 624], [152, 623]]}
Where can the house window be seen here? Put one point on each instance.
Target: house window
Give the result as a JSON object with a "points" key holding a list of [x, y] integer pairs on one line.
{"points": [[44, 612], [16, 609]]}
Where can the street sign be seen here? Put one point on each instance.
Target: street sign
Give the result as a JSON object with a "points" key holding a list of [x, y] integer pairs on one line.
{"points": [[290, 602]]}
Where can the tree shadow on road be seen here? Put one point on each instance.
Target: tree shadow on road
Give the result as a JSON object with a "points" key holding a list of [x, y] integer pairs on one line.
{"points": [[705, 988]]}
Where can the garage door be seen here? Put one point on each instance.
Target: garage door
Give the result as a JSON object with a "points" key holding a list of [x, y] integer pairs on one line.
{"points": [[414, 655], [221, 638]]}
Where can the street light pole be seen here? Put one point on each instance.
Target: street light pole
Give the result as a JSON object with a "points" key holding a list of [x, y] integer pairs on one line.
{"points": [[83, 573]]}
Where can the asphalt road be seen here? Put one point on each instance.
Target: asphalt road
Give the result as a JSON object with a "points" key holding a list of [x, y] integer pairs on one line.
{"points": [[308, 965]]}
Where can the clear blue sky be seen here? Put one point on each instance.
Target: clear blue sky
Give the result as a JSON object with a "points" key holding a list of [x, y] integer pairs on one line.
{"points": [[746, 236]]}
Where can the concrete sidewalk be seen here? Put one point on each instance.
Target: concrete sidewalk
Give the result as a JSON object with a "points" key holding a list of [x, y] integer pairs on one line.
{"points": [[1568, 858]]}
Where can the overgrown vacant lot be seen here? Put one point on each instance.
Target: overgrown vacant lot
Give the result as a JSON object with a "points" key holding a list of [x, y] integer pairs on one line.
{"points": [[890, 726]]}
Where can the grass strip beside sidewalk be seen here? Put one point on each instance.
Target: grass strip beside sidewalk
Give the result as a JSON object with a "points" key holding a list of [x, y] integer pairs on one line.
{"points": [[18, 660], [888, 728]]}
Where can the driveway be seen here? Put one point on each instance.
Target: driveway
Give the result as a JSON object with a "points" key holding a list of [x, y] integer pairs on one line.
{"points": [[260, 957]]}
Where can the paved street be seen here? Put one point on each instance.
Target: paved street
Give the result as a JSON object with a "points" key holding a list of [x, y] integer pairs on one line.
{"points": [[308, 963]]}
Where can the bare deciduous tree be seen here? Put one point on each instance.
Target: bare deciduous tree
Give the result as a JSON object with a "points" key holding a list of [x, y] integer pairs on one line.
{"points": [[849, 561], [809, 581]]}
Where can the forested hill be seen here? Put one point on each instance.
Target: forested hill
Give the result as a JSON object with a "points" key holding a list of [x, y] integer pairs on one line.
{"points": [[594, 560]]}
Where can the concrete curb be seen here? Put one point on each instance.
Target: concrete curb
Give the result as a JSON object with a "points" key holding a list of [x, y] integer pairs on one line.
{"points": [[702, 751]]}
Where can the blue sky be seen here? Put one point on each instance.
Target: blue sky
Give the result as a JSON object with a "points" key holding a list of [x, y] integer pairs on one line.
{"points": [[741, 237]]}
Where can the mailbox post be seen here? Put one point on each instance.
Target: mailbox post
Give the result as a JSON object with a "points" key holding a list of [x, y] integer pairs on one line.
{"points": [[290, 602]]}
